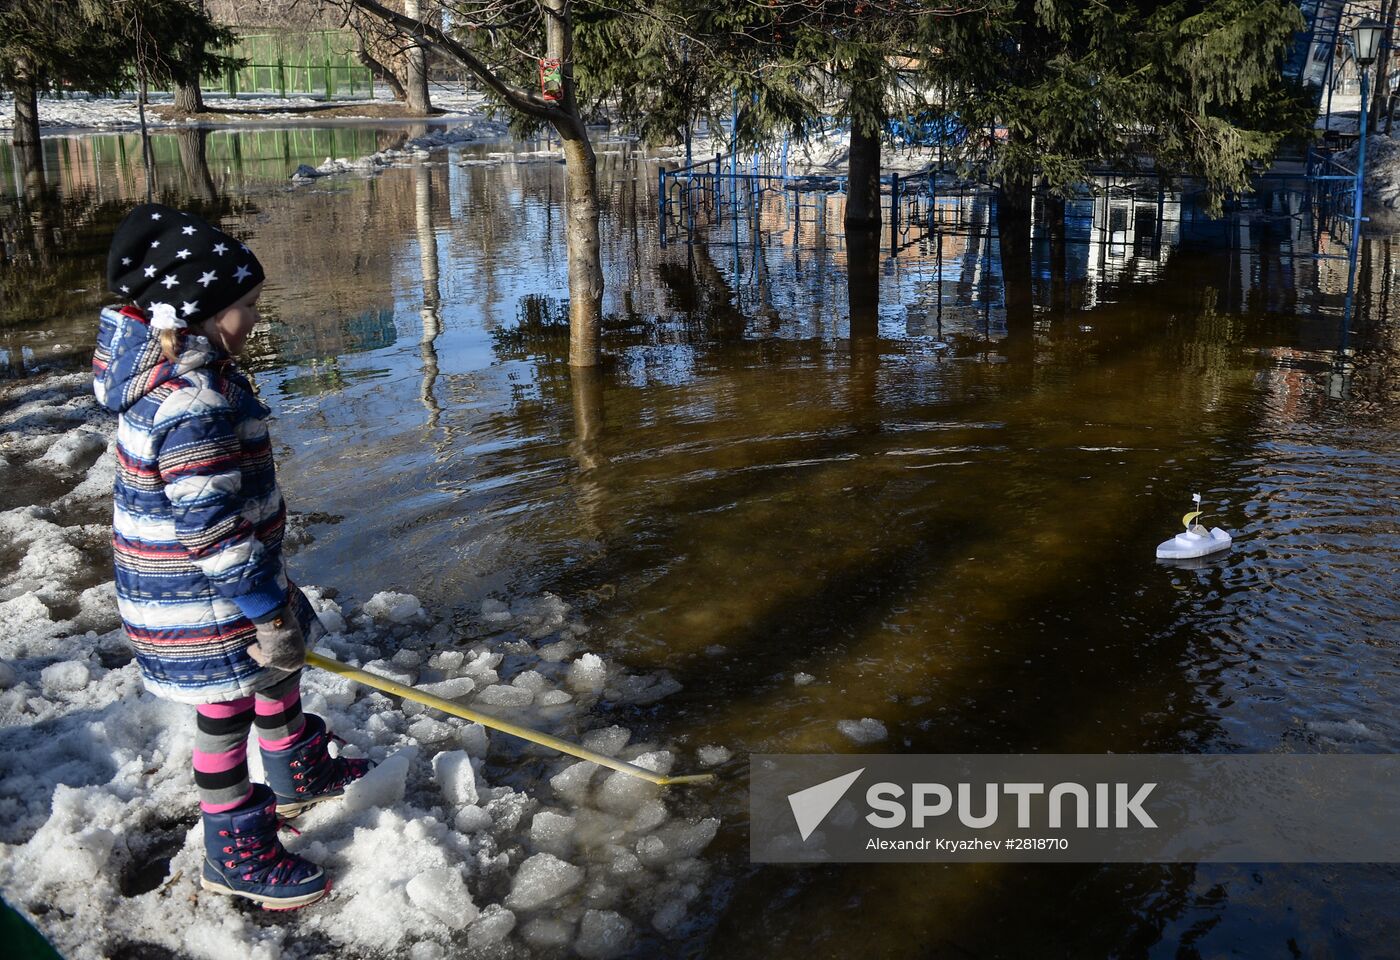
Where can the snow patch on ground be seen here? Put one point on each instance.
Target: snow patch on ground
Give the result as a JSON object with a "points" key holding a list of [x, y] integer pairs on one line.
{"points": [[461, 842]]}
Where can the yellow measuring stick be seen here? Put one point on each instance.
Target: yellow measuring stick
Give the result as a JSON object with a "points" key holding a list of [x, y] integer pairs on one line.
{"points": [[495, 723]]}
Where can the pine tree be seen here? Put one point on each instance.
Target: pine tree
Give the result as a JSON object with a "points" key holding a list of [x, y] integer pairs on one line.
{"points": [[1189, 87], [46, 45]]}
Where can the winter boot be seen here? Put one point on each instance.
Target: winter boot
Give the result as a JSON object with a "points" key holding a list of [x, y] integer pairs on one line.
{"points": [[304, 774], [244, 857]]}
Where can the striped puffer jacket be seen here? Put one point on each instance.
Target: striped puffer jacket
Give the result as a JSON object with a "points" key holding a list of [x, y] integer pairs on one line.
{"points": [[197, 519]]}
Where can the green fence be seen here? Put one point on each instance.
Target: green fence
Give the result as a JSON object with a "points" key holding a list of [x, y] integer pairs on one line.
{"points": [[319, 63]]}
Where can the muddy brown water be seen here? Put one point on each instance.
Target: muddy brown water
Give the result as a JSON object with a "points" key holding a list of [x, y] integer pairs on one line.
{"points": [[944, 512]]}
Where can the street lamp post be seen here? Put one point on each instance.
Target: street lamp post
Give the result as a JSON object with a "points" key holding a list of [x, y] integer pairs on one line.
{"points": [[1366, 41]]}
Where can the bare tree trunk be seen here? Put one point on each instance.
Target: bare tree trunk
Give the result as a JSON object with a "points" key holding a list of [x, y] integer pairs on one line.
{"points": [[188, 97], [580, 200], [416, 69], [380, 72], [867, 117], [26, 131], [1381, 93]]}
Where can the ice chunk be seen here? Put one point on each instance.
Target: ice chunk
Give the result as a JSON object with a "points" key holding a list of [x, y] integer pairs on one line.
{"points": [[508, 808], [504, 695], [386, 669], [65, 676], [472, 819], [454, 774], [650, 815], [493, 925], [333, 620], [454, 689], [547, 933], [383, 786], [864, 730], [407, 658], [802, 679], [541, 879], [552, 698], [390, 607], [624, 794], [428, 731], [427, 950], [494, 611], [474, 739], [608, 740], [531, 680], [558, 651], [552, 832], [602, 935], [675, 842], [588, 673], [711, 756], [625, 863], [571, 783], [669, 916], [687, 840], [443, 893], [447, 660]]}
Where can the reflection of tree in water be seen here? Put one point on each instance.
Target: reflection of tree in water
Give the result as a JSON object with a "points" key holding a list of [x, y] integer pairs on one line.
{"points": [[53, 252]]}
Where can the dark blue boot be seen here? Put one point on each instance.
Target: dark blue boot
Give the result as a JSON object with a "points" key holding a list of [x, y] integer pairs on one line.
{"points": [[305, 773], [244, 857]]}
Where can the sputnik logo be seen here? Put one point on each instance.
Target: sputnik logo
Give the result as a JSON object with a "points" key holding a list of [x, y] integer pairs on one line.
{"points": [[810, 806]]}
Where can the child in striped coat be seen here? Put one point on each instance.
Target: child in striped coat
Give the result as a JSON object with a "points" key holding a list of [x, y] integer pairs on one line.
{"points": [[197, 533]]}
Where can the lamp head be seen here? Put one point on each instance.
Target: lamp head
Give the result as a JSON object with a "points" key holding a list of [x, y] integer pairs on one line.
{"points": [[1366, 40]]}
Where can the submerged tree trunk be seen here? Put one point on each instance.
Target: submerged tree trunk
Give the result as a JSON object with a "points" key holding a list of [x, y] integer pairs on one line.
{"points": [[1059, 262], [867, 115], [1014, 237], [26, 131], [863, 282], [415, 69]]}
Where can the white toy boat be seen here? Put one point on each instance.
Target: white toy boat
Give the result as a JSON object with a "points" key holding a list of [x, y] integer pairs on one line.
{"points": [[1195, 540]]}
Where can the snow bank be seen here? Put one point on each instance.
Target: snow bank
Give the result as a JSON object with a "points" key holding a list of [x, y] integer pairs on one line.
{"points": [[1382, 170], [116, 113], [433, 854]]}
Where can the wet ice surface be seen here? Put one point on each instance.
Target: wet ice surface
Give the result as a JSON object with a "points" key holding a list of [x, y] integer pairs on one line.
{"points": [[433, 854]]}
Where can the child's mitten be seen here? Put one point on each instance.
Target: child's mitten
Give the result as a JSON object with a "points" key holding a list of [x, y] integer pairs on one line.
{"points": [[280, 644]]}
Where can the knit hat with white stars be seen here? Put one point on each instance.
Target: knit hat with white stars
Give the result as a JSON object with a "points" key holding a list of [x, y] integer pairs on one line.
{"points": [[176, 267]]}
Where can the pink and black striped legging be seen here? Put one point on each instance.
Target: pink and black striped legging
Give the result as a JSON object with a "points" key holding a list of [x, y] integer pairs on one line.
{"points": [[221, 741]]}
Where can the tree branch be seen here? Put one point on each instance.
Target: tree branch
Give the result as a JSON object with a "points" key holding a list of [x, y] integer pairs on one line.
{"points": [[523, 100]]}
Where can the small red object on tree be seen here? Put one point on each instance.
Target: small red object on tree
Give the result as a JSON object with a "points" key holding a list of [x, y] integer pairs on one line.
{"points": [[551, 79]]}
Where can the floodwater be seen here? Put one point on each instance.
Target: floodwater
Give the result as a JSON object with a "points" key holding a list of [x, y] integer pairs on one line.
{"points": [[943, 508]]}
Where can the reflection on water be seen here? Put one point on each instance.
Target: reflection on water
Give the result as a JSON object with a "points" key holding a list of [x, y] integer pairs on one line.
{"points": [[934, 488]]}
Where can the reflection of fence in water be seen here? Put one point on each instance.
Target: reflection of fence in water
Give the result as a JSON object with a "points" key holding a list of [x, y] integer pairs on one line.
{"points": [[939, 231], [104, 158]]}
